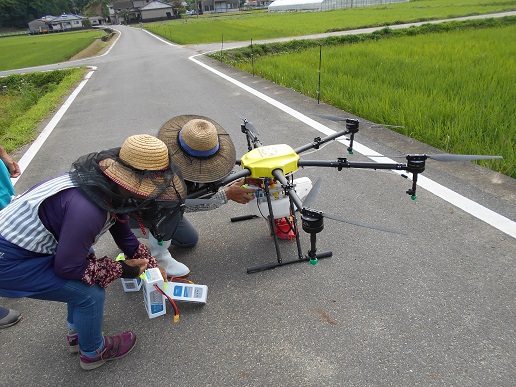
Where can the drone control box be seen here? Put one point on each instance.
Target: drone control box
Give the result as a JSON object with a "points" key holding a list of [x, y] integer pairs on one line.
{"points": [[154, 300], [181, 291], [262, 161]]}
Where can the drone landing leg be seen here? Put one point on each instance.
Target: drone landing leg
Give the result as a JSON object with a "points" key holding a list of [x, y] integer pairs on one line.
{"points": [[272, 223], [272, 226], [243, 217], [313, 255], [295, 228]]}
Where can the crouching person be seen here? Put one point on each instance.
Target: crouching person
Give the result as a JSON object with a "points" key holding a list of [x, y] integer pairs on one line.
{"points": [[46, 234]]}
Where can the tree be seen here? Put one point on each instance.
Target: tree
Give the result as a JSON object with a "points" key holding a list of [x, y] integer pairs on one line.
{"points": [[17, 13], [6, 8]]}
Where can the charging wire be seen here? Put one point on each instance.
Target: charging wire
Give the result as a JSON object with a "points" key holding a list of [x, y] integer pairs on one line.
{"points": [[174, 305], [176, 309]]}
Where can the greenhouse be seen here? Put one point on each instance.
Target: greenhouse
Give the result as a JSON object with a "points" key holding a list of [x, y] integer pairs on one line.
{"points": [[324, 5]]}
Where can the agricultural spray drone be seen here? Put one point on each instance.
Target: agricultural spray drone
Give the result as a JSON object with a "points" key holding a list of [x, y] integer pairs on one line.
{"points": [[269, 170]]}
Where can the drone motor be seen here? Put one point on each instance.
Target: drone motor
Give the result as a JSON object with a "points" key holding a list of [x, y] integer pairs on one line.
{"points": [[312, 221]]}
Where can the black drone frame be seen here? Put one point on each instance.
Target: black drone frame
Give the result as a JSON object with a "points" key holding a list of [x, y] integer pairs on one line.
{"points": [[312, 220]]}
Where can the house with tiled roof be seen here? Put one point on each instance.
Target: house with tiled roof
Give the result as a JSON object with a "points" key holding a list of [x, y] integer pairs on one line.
{"points": [[64, 22], [142, 11], [218, 6], [156, 10], [133, 11]]}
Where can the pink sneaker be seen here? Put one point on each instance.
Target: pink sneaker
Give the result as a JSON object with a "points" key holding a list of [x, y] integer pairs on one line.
{"points": [[115, 347], [73, 343]]}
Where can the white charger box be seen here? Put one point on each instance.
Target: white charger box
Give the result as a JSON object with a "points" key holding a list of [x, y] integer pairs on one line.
{"points": [[131, 284], [154, 300], [183, 291]]}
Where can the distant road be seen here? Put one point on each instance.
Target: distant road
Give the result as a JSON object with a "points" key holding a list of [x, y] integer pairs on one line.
{"points": [[208, 47]]}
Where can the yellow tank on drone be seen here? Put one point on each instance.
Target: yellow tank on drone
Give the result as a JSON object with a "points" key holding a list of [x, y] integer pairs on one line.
{"points": [[265, 159]]}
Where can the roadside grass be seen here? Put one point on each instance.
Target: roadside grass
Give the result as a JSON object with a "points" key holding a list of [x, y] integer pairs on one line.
{"points": [[449, 85], [28, 99], [263, 25], [37, 50]]}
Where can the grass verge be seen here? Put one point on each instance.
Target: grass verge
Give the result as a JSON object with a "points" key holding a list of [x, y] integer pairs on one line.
{"points": [[27, 99]]}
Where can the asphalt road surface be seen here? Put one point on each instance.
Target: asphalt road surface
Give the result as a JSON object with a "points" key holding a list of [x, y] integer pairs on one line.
{"points": [[433, 307]]}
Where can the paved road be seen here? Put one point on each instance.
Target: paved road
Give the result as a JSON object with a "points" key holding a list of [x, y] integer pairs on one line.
{"points": [[434, 307]]}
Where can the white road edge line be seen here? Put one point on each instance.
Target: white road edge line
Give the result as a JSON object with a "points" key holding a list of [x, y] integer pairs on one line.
{"points": [[492, 218]]}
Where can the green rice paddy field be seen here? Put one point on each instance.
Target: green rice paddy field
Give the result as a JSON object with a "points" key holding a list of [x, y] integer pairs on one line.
{"points": [[449, 86]]}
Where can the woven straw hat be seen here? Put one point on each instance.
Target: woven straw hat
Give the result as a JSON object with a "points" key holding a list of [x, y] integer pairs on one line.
{"points": [[200, 147], [142, 166]]}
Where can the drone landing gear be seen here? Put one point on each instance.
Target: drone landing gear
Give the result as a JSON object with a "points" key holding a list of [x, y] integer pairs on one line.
{"points": [[312, 222], [244, 217]]}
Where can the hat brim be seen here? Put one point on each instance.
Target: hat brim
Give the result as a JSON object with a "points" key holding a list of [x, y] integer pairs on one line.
{"points": [[199, 170], [142, 186]]}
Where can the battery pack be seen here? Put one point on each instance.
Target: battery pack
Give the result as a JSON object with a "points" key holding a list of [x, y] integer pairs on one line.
{"points": [[154, 300], [181, 291]]}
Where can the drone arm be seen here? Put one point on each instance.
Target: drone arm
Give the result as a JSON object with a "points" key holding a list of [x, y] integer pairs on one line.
{"points": [[344, 163], [214, 187], [415, 164], [256, 142], [250, 136], [351, 127], [317, 142], [278, 174]]}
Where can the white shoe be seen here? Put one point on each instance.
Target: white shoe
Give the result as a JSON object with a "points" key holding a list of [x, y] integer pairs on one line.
{"points": [[171, 266], [165, 260]]}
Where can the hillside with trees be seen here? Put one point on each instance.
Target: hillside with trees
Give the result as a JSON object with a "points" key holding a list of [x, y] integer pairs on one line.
{"points": [[17, 13]]}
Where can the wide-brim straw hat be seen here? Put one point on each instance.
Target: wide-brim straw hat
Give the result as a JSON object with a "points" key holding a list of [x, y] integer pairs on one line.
{"points": [[142, 166], [200, 147]]}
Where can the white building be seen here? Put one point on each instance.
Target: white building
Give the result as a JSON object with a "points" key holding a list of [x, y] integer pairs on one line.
{"points": [[324, 5], [64, 22]]}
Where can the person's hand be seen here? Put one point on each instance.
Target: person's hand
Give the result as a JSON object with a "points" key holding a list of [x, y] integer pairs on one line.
{"points": [[239, 194], [142, 263], [14, 169], [12, 166], [163, 273]]}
